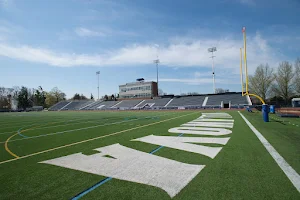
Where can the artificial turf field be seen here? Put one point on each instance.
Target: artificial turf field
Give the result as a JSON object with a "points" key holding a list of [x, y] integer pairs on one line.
{"points": [[242, 170]]}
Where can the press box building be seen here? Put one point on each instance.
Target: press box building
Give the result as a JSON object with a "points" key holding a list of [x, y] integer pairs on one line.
{"points": [[139, 89]]}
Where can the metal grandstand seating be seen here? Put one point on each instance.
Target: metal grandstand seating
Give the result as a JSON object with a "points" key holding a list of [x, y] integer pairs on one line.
{"points": [[128, 103], [187, 101], [214, 100], [92, 106], [156, 102], [59, 105], [75, 105], [238, 99], [105, 105], [84, 105], [235, 99]]}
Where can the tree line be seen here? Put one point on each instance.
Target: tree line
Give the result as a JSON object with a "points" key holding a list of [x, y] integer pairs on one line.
{"points": [[23, 97], [278, 85], [27, 97]]}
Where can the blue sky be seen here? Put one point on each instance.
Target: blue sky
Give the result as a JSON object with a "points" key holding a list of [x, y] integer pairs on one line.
{"points": [[64, 42]]}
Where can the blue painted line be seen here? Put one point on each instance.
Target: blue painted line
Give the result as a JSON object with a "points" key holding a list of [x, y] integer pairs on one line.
{"points": [[19, 133], [78, 196], [81, 194], [155, 150]]}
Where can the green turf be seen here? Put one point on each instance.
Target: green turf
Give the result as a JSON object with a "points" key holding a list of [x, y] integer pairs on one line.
{"points": [[242, 170], [282, 134]]}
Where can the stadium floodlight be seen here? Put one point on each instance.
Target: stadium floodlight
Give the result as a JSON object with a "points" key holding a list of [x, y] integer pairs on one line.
{"points": [[156, 61], [98, 74], [212, 50]]}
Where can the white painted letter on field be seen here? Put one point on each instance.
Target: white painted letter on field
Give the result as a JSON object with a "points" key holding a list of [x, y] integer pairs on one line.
{"points": [[184, 143], [200, 131], [132, 165]]}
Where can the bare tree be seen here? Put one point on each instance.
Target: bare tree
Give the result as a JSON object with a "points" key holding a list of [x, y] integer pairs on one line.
{"points": [[59, 95], [261, 82], [50, 99], [297, 76], [160, 92], [284, 77], [219, 90]]}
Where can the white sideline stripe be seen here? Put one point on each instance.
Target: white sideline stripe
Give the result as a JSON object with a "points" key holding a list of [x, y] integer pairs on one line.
{"points": [[91, 139], [168, 102], [205, 101], [65, 106], [285, 167]]}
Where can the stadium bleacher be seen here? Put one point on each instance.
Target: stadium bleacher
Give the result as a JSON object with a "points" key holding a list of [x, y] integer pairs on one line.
{"points": [[187, 101], [105, 105], [232, 100], [238, 99], [155, 102], [75, 105], [214, 100], [59, 105], [92, 106], [127, 103]]}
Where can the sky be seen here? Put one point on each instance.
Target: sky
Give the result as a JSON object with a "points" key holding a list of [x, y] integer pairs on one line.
{"points": [[62, 43]]}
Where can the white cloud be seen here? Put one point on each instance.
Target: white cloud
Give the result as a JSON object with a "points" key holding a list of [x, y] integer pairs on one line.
{"points": [[5, 3], [84, 32], [8, 5], [176, 54], [9, 30], [202, 74], [196, 81], [100, 32]]}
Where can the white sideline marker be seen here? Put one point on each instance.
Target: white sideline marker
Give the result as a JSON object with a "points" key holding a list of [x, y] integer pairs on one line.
{"points": [[285, 167]]}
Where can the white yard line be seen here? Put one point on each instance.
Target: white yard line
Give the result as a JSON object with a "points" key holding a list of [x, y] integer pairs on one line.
{"points": [[96, 138], [286, 168]]}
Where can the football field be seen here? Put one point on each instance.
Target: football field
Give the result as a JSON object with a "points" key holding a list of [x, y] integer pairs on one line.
{"points": [[194, 154]]}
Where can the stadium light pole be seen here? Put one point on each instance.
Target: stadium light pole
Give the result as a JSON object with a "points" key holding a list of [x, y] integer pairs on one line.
{"points": [[212, 50], [156, 61], [98, 74]]}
